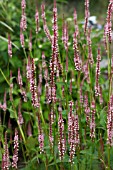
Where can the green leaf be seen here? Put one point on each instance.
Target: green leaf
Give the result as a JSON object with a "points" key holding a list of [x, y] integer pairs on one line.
{"points": [[1, 131], [103, 116], [31, 142], [7, 26], [6, 40], [1, 151], [16, 102], [12, 113]]}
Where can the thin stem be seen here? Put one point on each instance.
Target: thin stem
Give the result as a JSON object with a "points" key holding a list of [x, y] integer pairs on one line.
{"points": [[25, 53], [108, 149], [4, 77], [20, 128]]}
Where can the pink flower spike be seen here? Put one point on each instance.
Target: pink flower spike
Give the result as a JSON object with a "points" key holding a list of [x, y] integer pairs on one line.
{"points": [[9, 46], [61, 140], [20, 78], [97, 87], [108, 27], [75, 22], [37, 20], [16, 148], [5, 156], [77, 60], [22, 39], [92, 121], [40, 135], [87, 14], [20, 117], [23, 4], [46, 30]]}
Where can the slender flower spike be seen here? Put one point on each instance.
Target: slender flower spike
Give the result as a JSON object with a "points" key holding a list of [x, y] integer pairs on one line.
{"points": [[87, 14], [92, 121], [33, 88], [65, 35], [20, 79], [97, 87], [5, 156], [28, 68], [48, 93], [23, 4], [40, 135], [23, 22], [44, 66], [109, 122], [70, 120], [22, 91], [53, 93], [53, 62], [75, 16], [89, 43], [75, 22], [43, 60], [77, 137], [20, 117], [37, 20], [108, 26], [9, 46], [16, 148], [61, 140], [22, 38], [72, 139], [85, 70], [74, 135], [51, 121], [55, 65], [39, 88], [46, 30], [76, 53]]}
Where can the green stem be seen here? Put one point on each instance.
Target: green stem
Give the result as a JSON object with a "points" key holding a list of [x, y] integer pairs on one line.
{"points": [[4, 77], [92, 152], [70, 166], [108, 148], [43, 121], [21, 131], [25, 53]]}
